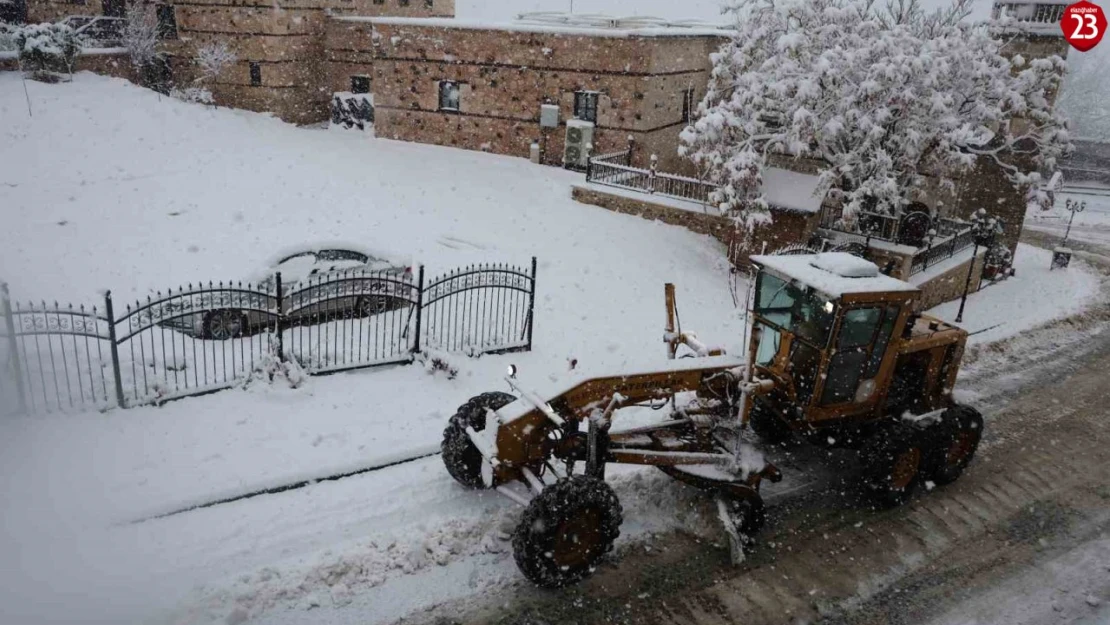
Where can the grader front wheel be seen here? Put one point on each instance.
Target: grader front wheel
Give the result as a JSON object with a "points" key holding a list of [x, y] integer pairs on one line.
{"points": [[566, 530], [460, 456]]}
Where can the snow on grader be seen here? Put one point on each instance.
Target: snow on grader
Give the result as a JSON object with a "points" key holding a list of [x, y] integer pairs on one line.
{"points": [[836, 356]]}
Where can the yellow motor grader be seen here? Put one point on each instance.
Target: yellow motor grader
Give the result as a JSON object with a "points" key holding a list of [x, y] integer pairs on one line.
{"points": [[836, 356]]}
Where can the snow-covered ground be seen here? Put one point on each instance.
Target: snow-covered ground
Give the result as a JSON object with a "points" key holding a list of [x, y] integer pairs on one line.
{"points": [[1090, 226], [1034, 295], [1073, 587], [171, 192]]}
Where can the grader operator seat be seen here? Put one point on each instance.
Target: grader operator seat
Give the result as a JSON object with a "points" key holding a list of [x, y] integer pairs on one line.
{"points": [[828, 331]]}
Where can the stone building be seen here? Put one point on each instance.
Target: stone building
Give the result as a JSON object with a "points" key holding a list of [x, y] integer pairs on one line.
{"points": [[542, 79], [279, 44], [562, 85]]}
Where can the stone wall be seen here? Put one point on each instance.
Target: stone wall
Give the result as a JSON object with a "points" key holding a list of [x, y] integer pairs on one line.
{"points": [[114, 64], [787, 228], [54, 10], [505, 76], [949, 285]]}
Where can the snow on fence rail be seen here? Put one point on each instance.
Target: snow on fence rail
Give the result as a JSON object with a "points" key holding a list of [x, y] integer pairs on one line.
{"points": [[615, 170], [198, 339]]}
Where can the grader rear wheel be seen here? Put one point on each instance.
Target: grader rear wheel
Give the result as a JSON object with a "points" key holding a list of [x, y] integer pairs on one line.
{"points": [[892, 462], [566, 530], [460, 456], [962, 428]]}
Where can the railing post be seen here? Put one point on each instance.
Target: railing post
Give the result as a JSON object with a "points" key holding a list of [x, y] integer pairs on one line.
{"points": [[532, 304], [9, 324], [280, 316], [114, 348], [419, 310], [631, 144], [653, 173], [589, 163]]}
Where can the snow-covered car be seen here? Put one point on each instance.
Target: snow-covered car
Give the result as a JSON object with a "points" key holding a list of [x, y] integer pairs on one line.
{"points": [[320, 283]]}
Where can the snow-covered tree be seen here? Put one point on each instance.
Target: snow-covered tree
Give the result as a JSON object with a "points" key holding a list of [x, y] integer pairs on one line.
{"points": [[880, 97], [1085, 95], [140, 35], [212, 59]]}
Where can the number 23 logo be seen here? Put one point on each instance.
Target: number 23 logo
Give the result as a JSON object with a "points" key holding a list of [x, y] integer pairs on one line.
{"points": [[1083, 25]]}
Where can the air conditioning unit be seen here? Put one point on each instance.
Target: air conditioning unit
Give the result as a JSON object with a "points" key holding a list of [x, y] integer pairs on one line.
{"points": [[579, 135]]}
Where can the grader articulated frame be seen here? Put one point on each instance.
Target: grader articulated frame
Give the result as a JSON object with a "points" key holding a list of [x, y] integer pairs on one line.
{"points": [[836, 353]]}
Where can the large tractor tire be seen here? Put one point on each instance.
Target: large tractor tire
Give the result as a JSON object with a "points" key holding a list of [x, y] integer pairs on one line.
{"points": [[460, 456], [893, 462], [768, 426], [961, 429], [566, 530]]}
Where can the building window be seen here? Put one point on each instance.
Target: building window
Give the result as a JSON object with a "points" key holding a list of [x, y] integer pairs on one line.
{"points": [[428, 4], [585, 106], [687, 105], [256, 74], [448, 95], [360, 84], [167, 21]]}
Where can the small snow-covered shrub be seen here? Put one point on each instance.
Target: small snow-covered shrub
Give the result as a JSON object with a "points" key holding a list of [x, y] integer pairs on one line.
{"points": [[437, 362], [212, 59], [200, 95], [270, 368], [7, 37], [47, 50]]}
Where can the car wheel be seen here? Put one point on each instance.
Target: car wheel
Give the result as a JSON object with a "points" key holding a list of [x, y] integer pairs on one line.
{"points": [[367, 306], [222, 325]]}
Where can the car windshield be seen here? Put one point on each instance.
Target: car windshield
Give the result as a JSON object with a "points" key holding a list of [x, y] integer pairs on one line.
{"points": [[797, 309]]}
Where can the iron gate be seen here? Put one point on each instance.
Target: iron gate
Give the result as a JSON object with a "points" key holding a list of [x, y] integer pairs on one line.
{"points": [[207, 337]]}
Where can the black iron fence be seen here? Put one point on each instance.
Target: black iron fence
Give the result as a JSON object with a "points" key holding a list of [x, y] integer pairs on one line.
{"points": [[206, 337], [942, 250], [875, 225], [615, 170]]}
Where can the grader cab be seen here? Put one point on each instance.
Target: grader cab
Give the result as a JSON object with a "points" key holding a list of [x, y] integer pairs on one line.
{"points": [[836, 356]]}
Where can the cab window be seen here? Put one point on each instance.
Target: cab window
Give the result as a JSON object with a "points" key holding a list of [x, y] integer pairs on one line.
{"points": [[860, 347], [801, 311]]}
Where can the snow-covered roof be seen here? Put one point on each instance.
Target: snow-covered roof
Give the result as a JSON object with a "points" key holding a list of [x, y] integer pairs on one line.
{"points": [[564, 24], [791, 190], [807, 269], [707, 10]]}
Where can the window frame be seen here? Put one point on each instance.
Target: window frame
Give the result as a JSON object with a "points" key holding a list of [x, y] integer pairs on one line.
{"points": [[442, 84], [167, 29], [687, 105], [360, 77], [582, 102]]}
